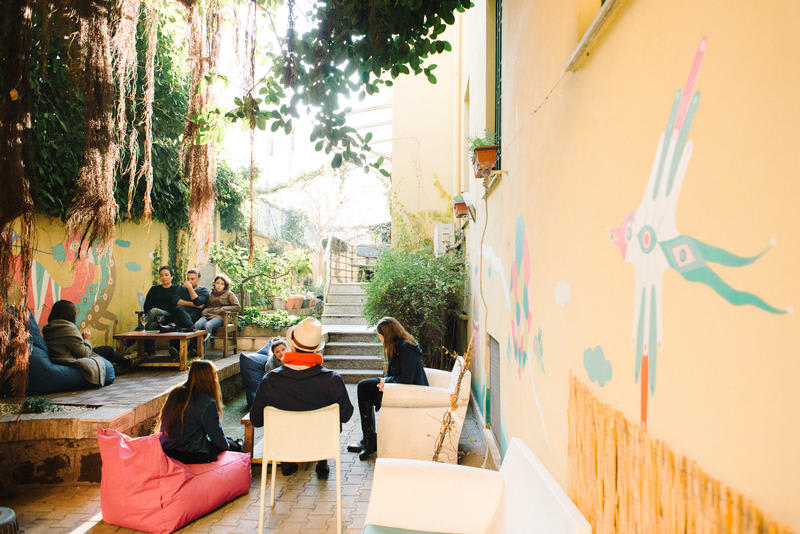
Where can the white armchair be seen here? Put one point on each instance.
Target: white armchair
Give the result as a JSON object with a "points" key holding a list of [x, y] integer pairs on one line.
{"points": [[521, 497], [410, 417]]}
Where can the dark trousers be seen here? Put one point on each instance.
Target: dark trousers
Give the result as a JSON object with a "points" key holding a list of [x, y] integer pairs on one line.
{"points": [[369, 397], [182, 319], [111, 355]]}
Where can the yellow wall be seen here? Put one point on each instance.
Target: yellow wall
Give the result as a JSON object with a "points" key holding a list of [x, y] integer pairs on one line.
{"points": [[425, 137], [578, 149]]}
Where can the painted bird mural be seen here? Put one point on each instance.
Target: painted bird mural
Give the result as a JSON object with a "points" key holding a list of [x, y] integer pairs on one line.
{"points": [[649, 239]]}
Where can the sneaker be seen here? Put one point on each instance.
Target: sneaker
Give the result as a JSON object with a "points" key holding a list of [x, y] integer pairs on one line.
{"points": [[356, 447], [322, 470], [174, 352], [206, 337]]}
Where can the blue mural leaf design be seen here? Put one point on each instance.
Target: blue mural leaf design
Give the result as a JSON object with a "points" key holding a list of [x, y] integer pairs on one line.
{"points": [[122, 243], [133, 266]]}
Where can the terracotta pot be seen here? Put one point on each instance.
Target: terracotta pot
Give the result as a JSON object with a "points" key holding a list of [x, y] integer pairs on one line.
{"points": [[294, 302], [460, 209], [484, 159]]}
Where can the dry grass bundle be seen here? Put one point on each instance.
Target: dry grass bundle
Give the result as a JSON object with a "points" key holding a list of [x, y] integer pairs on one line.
{"points": [[94, 208], [16, 196], [447, 419], [622, 480], [199, 164]]}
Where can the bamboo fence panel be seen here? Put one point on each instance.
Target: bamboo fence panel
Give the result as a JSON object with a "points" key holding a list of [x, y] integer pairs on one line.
{"points": [[624, 481]]}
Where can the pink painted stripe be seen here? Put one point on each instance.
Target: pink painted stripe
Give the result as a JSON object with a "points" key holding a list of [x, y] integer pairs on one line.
{"points": [[686, 93]]}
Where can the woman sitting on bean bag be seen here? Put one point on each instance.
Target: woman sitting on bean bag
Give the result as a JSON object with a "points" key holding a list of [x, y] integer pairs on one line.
{"points": [[67, 345], [190, 420]]}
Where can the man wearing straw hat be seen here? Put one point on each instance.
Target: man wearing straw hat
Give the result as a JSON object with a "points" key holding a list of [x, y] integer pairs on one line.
{"points": [[302, 384]]}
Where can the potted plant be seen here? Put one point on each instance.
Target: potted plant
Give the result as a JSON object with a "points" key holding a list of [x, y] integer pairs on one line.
{"points": [[460, 207], [484, 152]]}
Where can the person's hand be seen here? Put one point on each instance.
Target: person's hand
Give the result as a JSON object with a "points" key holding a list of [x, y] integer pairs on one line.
{"points": [[188, 285], [86, 334], [380, 384]]}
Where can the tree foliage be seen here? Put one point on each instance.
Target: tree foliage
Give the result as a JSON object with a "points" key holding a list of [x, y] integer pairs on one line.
{"points": [[418, 289], [352, 47]]}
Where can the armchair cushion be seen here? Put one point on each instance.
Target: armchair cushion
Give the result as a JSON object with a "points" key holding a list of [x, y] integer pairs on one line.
{"points": [[438, 378], [401, 499], [411, 396]]}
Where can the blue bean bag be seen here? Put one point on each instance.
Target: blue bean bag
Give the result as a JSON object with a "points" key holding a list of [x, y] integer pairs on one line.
{"points": [[44, 376], [251, 367]]}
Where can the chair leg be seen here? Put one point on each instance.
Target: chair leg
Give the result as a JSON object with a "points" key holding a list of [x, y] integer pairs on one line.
{"points": [[338, 493], [272, 484], [225, 342], [261, 503]]}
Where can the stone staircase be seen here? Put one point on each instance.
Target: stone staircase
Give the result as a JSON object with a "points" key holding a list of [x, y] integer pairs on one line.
{"points": [[351, 347]]}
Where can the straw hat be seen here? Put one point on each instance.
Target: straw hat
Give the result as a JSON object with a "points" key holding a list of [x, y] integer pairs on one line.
{"points": [[306, 336]]}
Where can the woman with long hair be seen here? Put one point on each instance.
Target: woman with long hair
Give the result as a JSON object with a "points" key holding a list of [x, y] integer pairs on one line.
{"points": [[221, 300], [190, 420], [67, 345], [405, 367]]}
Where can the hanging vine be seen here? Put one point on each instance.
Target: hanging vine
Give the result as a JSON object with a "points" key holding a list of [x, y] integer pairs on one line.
{"points": [[151, 31], [94, 209], [199, 164]]}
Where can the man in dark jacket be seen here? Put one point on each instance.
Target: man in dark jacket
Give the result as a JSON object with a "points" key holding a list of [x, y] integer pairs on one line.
{"points": [[302, 384], [191, 300]]}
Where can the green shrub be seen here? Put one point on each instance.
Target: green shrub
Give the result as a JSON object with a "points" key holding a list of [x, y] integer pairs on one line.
{"points": [[417, 289], [275, 319], [39, 405]]}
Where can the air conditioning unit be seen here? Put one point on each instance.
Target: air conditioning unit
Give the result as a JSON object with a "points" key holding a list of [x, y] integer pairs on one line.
{"points": [[443, 236]]}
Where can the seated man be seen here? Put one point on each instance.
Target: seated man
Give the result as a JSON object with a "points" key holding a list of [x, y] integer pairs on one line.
{"points": [[253, 367], [191, 299], [302, 384]]}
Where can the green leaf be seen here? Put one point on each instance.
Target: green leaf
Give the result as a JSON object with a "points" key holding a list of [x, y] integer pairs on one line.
{"points": [[336, 162]]}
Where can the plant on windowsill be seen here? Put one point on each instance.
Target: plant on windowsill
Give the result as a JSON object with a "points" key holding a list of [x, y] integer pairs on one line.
{"points": [[484, 153]]}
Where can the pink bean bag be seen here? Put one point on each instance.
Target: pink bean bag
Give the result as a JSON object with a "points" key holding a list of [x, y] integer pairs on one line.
{"points": [[144, 489]]}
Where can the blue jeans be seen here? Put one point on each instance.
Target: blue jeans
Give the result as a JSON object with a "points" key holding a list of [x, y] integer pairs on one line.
{"points": [[209, 325]]}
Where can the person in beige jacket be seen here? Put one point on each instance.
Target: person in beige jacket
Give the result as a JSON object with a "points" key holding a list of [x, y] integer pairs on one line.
{"points": [[221, 300], [67, 345]]}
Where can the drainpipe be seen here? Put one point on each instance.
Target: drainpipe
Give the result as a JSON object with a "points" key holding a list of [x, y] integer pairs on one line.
{"points": [[459, 102]]}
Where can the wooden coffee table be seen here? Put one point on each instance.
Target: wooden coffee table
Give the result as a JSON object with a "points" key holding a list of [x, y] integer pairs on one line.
{"points": [[183, 337]]}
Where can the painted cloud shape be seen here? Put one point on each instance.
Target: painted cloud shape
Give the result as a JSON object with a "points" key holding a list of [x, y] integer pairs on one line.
{"points": [[561, 293], [597, 367]]}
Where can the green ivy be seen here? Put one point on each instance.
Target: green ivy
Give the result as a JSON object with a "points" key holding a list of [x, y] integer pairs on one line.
{"points": [[231, 192]]}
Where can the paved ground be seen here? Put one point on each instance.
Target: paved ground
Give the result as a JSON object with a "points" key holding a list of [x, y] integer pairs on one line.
{"points": [[302, 504]]}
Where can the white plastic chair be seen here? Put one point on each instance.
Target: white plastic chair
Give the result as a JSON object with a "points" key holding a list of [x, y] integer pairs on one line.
{"points": [[300, 437]]}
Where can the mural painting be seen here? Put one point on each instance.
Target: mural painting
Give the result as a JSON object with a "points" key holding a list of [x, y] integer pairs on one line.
{"points": [[91, 286], [648, 238], [522, 341]]}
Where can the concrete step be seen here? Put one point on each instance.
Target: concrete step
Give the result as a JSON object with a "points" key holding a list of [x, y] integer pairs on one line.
{"points": [[351, 376], [356, 348], [351, 337], [346, 288], [354, 362], [346, 299], [337, 309], [343, 318]]}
